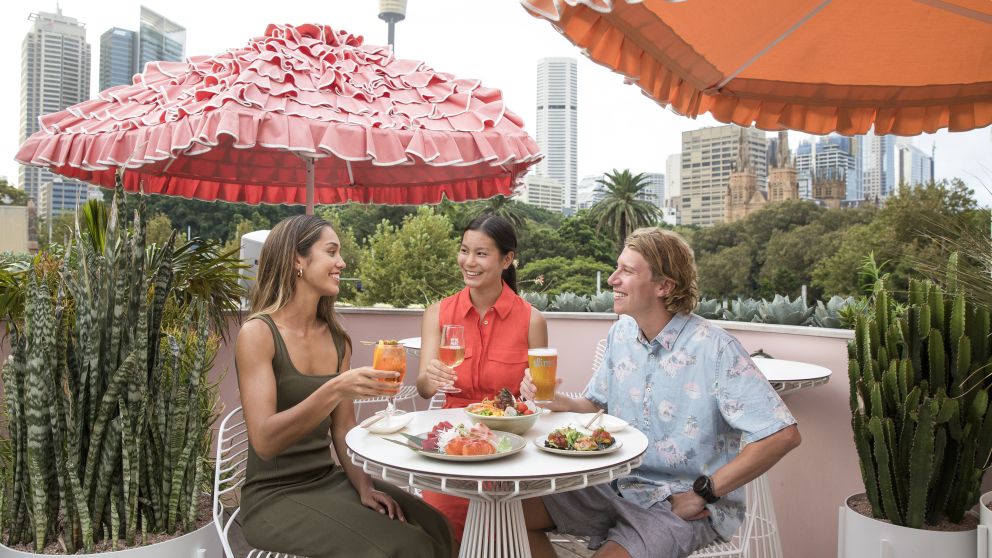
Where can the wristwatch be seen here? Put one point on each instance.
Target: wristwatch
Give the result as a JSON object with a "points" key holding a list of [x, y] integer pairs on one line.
{"points": [[704, 487]]}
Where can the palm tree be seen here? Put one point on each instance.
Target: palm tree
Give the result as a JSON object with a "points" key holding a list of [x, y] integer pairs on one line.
{"points": [[621, 211], [501, 206]]}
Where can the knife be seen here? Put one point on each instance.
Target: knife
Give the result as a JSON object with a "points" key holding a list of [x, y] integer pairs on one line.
{"points": [[404, 444], [415, 439]]}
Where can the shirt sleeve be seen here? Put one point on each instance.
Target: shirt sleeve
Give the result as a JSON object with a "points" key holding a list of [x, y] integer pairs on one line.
{"points": [[747, 401], [598, 388]]}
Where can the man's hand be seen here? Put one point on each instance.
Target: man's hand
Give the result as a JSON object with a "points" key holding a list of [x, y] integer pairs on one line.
{"points": [[529, 391], [689, 506]]}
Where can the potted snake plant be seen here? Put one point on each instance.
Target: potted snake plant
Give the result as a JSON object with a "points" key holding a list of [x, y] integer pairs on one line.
{"points": [[922, 424], [109, 407]]}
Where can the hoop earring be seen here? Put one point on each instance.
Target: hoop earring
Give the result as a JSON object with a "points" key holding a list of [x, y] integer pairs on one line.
{"points": [[299, 272]]}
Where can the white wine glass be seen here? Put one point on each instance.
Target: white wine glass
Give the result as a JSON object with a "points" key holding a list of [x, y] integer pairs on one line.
{"points": [[452, 351]]}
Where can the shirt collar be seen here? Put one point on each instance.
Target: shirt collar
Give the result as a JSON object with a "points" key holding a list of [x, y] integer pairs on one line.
{"points": [[669, 334], [502, 306]]}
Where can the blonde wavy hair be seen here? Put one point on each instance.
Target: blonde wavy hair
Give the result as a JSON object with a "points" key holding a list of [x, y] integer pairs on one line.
{"points": [[275, 283], [670, 257]]}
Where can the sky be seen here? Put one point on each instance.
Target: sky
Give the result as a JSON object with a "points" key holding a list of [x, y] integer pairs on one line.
{"points": [[496, 41]]}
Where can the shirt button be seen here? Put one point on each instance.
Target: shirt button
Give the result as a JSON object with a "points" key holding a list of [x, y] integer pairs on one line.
{"points": [[648, 389], [485, 322], [651, 355]]}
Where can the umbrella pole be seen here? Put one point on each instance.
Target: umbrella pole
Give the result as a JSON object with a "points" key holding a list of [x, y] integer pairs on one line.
{"points": [[309, 163]]}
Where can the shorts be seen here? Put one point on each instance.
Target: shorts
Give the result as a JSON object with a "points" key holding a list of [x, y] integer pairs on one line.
{"points": [[601, 514]]}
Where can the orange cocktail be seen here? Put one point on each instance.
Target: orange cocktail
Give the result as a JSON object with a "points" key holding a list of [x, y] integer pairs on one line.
{"points": [[390, 355]]}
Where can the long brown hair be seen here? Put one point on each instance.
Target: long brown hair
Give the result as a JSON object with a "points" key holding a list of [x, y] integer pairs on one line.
{"points": [[275, 284]]}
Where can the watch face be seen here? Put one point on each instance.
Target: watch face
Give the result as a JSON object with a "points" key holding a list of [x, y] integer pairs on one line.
{"points": [[699, 485]]}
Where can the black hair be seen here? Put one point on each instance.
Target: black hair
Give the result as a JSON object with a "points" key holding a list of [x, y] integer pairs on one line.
{"points": [[502, 233]]}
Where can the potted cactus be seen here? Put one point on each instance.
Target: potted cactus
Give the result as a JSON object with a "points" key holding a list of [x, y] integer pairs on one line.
{"points": [[922, 424], [108, 405]]}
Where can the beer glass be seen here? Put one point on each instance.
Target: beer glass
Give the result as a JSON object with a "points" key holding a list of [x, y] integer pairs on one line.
{"points": [[452, 351], [543, 365]]}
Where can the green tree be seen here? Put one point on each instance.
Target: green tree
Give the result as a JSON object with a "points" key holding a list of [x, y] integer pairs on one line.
{"points": [[905, 231], [728, 271], [9, 195], [620, 212], [559, 274], [159, 229], [411, 264], [363, 219], [244, 225], [61, 229]]}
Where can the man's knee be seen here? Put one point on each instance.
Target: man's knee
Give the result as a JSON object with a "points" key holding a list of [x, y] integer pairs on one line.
{"points": [[536, 516]]}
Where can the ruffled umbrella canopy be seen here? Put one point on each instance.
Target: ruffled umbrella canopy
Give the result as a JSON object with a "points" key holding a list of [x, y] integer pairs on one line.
{"points": [[301, 115], [819, 66]]}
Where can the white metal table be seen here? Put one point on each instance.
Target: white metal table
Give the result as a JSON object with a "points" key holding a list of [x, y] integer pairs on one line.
{"points": [[495, 523]]}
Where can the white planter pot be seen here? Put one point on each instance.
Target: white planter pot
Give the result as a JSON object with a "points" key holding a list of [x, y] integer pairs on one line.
{"points": [[863, 537], [202, 543], [985, 526]]}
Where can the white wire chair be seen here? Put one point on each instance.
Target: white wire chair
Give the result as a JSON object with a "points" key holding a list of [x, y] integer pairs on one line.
{"points": [[405, 393], [229, 475]]}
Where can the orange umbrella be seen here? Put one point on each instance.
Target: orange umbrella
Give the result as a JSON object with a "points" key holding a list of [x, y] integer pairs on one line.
{"points": [[819, 66]]}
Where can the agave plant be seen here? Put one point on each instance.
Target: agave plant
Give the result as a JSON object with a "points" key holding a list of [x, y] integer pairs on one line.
{"points": [[602, 302], [783, 311], [537, 300], [830, 314], [742, 310], [709, 308], [570, 302], [108, 406]]}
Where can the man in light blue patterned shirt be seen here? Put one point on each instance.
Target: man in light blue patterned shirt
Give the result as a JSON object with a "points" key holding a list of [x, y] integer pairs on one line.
{"points": [[694, 391]]}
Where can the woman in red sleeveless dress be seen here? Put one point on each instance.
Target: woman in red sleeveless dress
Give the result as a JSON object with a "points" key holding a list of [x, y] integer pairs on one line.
{"points": [[499, 328]]}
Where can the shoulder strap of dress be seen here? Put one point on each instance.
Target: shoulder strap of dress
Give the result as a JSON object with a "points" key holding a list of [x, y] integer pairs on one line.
{"points": [[281, 352], [339, 346]]}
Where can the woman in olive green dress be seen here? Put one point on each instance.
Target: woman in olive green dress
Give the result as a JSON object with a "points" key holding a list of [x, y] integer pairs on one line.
{"points": [[297, 391]]}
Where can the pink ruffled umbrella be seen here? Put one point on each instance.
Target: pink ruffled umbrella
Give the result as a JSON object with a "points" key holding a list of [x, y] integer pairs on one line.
{"points": [[301, 115]]}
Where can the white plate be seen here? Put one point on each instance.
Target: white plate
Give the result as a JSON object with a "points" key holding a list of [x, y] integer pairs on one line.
{"points": [[609, 422], [517, 444], [539, 442], [391, 424]]}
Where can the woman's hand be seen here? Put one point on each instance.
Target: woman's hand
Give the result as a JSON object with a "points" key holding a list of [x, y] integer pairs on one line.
{"points": [[366, 381], [383, 503], [439, 375]]}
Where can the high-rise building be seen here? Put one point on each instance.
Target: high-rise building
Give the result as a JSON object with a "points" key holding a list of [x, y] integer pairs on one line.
{"points": [[832, 156], [912, 166], [673, 176], [124, 53], [542, 191], [55, 74], [118, 57], [557, 124], [654, 192], [60, 195], [708, 156], [590, 191], [879, 179]]}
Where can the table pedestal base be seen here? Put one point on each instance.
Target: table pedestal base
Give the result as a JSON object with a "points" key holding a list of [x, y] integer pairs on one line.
{"points": [[495, 529]]}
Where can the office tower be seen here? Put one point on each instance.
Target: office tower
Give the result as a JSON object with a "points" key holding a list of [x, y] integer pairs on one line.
{"points": [[55, 74], [830, 156], [673, 177], [543, 192], [879, 179], [60, 195], [708, 156], [124, 53], [654, 192], [590, 191], [912, 166], [118, 58], [557, 121]]}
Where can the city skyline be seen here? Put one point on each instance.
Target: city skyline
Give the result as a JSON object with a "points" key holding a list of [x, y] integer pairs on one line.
{"points": [[620, 128]]}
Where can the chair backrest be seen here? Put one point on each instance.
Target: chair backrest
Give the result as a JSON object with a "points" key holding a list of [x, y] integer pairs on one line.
{"points": [[599, 355], [229, 473], [437, 402]]}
